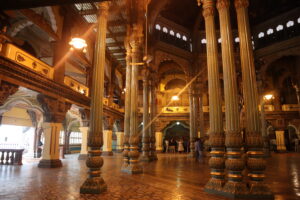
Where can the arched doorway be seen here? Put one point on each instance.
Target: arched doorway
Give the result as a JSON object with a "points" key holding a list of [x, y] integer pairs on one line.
{"points": [[175, 131]]}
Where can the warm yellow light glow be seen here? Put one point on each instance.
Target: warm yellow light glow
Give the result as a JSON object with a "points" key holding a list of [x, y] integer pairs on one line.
{"points": [[78, 43], [175, 98], [268, 96]]}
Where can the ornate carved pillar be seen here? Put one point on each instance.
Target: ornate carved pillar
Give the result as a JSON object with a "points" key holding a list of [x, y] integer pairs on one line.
{"points": [[54, 113], [254, 140], [201, 114], [153, 107], [6, 89], [146, 138], [216, 135], [192, 121], [95, 184], [235, 187], [107, 137], [134, 166], [127, 102]]}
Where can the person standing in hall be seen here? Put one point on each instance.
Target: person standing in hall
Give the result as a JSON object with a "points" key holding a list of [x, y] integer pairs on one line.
{"points": [[167, 145], [180, 146]]}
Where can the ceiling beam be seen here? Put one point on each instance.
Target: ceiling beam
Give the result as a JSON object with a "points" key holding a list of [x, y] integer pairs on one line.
{"points": [[118, 34], [116, 23], [117, 51], [40, 22], [24, 4], [114, 44], [88, 12]]}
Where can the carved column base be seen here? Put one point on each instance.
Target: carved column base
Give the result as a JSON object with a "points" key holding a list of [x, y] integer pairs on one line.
{"points": [[82, 156], [134, 166], [260, 190], [145, 157], [214, 185], [49, 163], [94, 185], [125, 159], [234, 189]]}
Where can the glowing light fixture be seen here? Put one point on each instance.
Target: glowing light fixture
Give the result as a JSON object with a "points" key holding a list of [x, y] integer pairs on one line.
{"points": [[177, 123], [268, 97], [78, 43], [175, 98]]}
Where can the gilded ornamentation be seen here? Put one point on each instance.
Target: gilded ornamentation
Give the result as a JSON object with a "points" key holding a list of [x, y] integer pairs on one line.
{"points": [[241, 3], [208, 12], [6, 89], [221, 4]]}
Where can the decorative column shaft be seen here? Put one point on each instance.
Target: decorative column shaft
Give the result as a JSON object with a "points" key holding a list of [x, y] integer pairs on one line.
{"points": [[216, 135], [146, 137], [95, 184], [192, 122], [235, 186], [153, 108], [134, 166], [254, 140], [127, 105]]}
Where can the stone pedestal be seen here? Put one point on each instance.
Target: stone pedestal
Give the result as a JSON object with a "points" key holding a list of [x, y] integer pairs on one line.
{"points": [[280, 141], [107, 143], [50, 156], [120, 141], [84, 150], [159, 142]]}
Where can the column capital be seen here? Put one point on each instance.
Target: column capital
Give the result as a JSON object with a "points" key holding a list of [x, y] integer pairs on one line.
{"points": [[6, 89], [103, 8], [223, 4], [241, 3], [208, 8], [136, 39], [54, 109]]}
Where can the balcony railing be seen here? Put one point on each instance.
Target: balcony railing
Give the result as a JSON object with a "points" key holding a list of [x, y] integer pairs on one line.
{"points": [[11, 156], [75, 85], [23, 58]]}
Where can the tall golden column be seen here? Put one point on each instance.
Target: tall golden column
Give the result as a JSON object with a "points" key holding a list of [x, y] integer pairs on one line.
{"points": [[233, 141], [135, 42], [192, 121], [146, 137], [95, 184], [127, 103], [153, 112], [216, 135], [254, 141]]}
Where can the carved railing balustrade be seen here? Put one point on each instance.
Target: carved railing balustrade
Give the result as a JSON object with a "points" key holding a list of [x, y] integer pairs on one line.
{"points": [[11, 156]]}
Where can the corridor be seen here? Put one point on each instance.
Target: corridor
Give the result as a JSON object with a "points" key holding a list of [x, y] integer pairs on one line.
{"points": [[172, 177]]}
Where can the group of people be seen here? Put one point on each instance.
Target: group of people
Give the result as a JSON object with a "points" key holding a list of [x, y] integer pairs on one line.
{"points": [[183, 146]]}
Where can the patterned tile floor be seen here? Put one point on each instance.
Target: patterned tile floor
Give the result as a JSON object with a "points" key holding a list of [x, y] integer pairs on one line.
{"points": [[172, 177]]}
